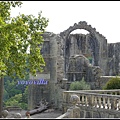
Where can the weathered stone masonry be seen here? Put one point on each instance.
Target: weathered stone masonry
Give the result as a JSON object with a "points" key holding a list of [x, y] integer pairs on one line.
{"points": [[73, 56]]}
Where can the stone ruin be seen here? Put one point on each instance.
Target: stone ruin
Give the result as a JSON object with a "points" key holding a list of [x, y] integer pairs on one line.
{"points": [[70, 57]]}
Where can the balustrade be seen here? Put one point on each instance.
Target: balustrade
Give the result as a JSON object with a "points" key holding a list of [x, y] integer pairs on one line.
{"points": [[107, 100]]}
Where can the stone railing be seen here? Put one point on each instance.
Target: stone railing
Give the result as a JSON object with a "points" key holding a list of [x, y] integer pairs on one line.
{"points": [[99, 100], [112, 92]]}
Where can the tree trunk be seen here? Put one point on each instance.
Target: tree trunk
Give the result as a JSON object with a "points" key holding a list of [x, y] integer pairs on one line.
{"points": [[38, 110], [1, 95]]}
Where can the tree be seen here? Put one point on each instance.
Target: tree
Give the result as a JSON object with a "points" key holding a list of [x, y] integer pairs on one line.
{"points": [[11, 87], [20, 41]]}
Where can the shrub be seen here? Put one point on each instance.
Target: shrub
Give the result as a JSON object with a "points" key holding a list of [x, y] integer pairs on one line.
{"points": [[24, 106], [16, 101], [113, 83], [79, 85], [12, 103]]}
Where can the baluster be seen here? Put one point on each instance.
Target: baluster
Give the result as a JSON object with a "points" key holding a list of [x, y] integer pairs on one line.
{"points": [[116, 93], [115, 104], [112, 103], [99, 99], [82, 99], [104, 103], [95, 101], [108, 103], [92, 100], [86, 100]]}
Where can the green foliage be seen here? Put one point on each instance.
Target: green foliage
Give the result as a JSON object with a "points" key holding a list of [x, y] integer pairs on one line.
{"points": [[17, 35], [17, 92], [5, 8], [20, 52], [20, 100], [24, 106], [14, 101], [79, 85], [11, 88], [25, 95], [6, 95], [113, 83]]}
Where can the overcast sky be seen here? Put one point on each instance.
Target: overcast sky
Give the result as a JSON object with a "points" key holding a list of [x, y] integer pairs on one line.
{"points": [[102, 15]]}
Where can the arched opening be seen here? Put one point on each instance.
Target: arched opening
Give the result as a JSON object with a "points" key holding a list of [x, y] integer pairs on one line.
{"points": [[78, 42], [80, 39], [80, 31]]}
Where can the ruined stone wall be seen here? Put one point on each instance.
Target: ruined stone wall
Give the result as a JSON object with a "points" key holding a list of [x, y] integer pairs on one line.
{"points": [[103, 52], [53, 73], [38, 92], [57, 51], [94, 46], [113, 65], [60, 59]]}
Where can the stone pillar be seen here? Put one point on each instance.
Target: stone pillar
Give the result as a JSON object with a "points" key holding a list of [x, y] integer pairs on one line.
{"points": [[30, 97], [53, 69]]}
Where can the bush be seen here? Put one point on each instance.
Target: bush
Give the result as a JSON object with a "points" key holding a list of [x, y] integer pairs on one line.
{"points": [[113, 83], [12, 103], [24, 106], [79, 85], [16, 101]]}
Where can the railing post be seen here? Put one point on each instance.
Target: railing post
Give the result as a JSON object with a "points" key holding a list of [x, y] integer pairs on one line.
{"points": [[95, 101], [86, 100], [82, 99], [65, 102], [104, 102], [74, 99], [99, 98], [108, 103]]}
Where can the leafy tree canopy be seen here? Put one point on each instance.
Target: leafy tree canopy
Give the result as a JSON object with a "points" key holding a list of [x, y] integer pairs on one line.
{"points": [[20, 41]]}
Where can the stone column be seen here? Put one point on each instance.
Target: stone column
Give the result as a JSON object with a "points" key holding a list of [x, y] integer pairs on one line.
{"points": [[53, 69], [30, 97]]}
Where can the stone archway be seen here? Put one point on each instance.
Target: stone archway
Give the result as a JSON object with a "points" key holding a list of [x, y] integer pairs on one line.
{"points": [[93, 41]]}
